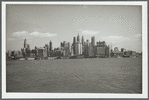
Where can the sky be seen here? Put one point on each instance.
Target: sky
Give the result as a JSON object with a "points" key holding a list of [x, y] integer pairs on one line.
{"points": [[118, 26]]}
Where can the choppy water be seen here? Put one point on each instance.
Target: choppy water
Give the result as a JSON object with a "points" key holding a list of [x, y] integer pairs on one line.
{"points": [[106, 75]]}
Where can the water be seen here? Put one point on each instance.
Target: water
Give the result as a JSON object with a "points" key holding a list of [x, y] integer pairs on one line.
{"points": [[103, 75]]}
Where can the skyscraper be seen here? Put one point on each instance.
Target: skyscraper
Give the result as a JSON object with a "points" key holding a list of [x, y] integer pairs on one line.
{"points": [[47, 47], [50, 49], [78, 38], [50, 45], [28, 46], [61, 44], [25, 43], [86, 48], [82, 40], [78, 46], [74, 41], [71, 50], [93, 41], [69, 46], [87, 42], [90, 50]]}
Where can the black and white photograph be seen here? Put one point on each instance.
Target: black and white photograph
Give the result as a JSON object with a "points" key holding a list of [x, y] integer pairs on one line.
{"points": [[83, 48]]}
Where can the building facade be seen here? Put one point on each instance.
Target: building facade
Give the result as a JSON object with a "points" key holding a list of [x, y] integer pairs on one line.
{"points": [[78, 46]]}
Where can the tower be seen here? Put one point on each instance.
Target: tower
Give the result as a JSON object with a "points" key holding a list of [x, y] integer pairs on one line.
{"points": [[72, 51], [82, 40], [47, 49], [64, 43], [87, 42], [93, 41], [78, 46], [28, 50], [28, 46], [69, 47], [78, 38], [25, 43], [61, 44], [50, 45], [74, 41]]}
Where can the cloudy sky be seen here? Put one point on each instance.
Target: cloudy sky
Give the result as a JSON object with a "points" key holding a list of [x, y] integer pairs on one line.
{"points": [[119, 26]]}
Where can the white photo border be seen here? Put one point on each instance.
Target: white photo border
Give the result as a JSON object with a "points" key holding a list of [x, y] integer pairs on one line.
{"points": [[144, 94]]}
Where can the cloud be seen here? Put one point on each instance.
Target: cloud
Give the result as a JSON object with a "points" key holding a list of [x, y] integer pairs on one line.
{"points": [[42, 34], [26, 34], [20, 33], [88, 32]]}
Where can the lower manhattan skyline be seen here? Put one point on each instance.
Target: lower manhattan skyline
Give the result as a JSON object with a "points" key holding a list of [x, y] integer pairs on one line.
{"points": [[77, 49], [119, 26]]}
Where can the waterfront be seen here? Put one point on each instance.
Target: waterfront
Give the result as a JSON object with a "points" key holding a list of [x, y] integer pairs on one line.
{"points": [[101, 75]]}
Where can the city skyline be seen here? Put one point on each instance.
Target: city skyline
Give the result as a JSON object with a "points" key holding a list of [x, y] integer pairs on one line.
{"points": [[119, 26]]}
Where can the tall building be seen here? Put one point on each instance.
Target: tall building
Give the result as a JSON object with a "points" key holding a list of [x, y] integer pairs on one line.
{"points": [[28, 46], [25, 43], [87, 41], [28, 51], [86, 48], [83, 47], [107, 51], [90, 50], [50, 45], [58, 52], [36, 52], [69, 46], [78, 46], [61, 45], [82, 40], [50, 49], [72, 51], [40, 53], [47, 47], [74, 41], [93, 41], [66, 49], [78, 38]]}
